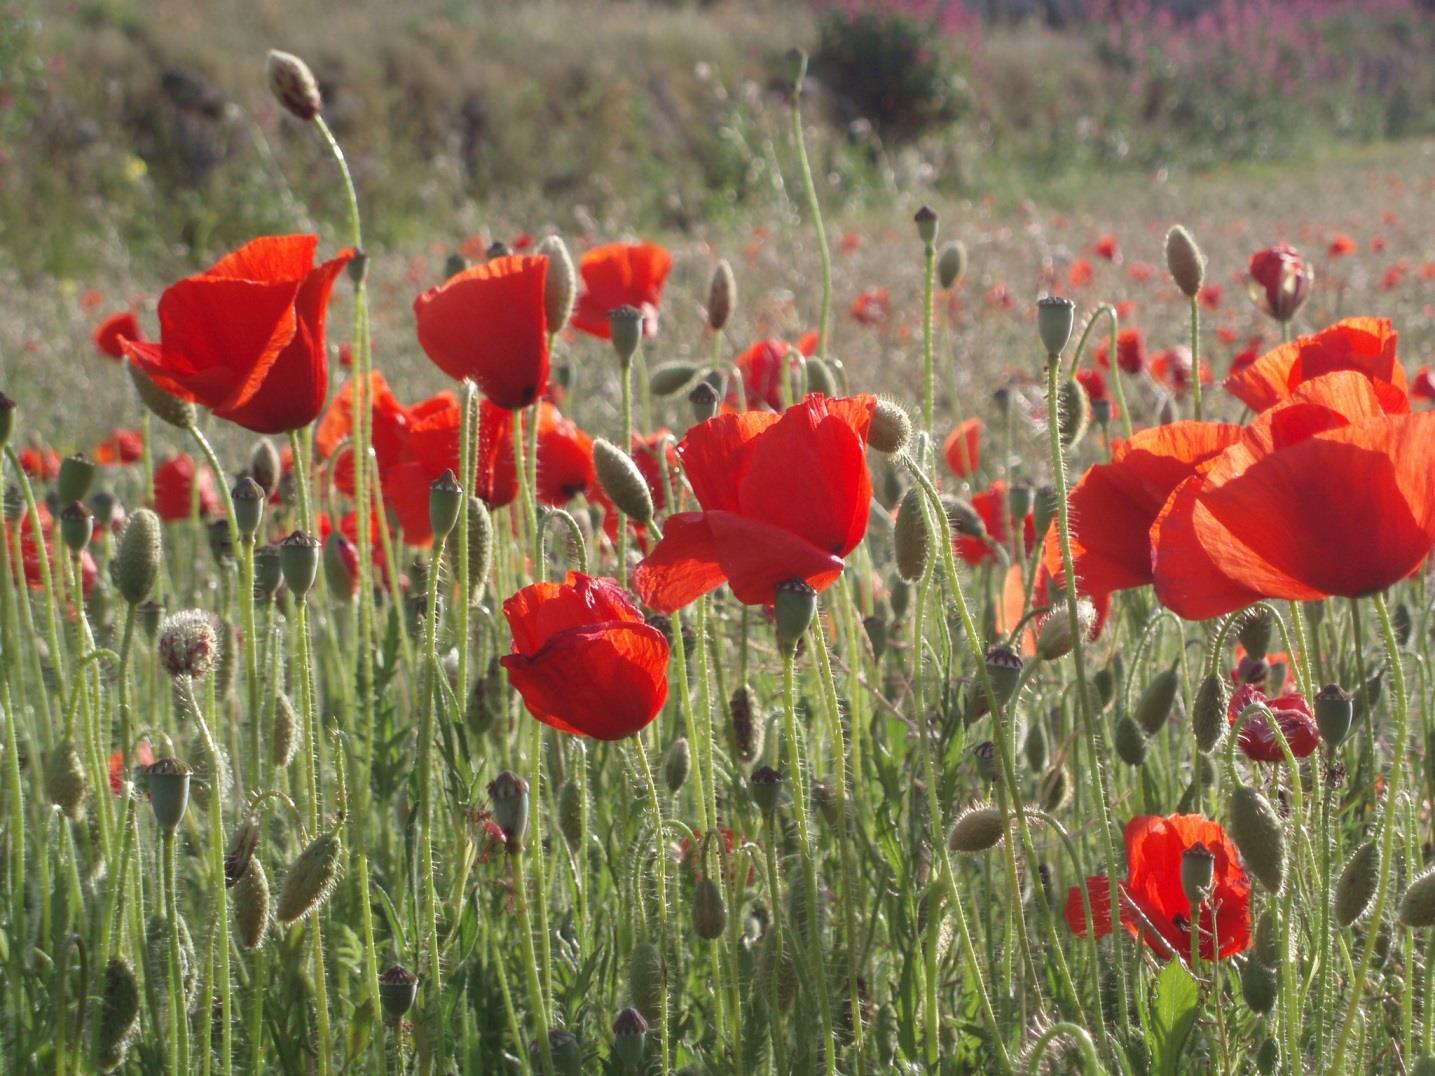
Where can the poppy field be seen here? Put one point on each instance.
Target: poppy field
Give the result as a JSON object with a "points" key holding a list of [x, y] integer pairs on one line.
{"points": [[932, 639]]}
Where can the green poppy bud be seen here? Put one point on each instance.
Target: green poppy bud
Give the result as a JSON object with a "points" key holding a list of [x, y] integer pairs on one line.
{"points": [[1130, 742], [1157, 699], [709, 911], [1334, 713], [1055, 316], [952, 264], [170, 409], [722, 296], [311, 878], [1417, 906], [445, 502], [671, 378], [977, 829], [677, 764], [1257, 831], [299, 562], [169, 792], [911, 541], [509, 794], [1185, 261], [622, 481], [265, 466], [625, 323], [1209, 722], [794, 607], [1355, 888], [560, 288], [1258, 987]]}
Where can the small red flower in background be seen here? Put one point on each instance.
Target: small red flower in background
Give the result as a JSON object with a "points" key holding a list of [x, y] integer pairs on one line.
{"points": [[1106, 247], [963, 448], [488, 323], [1172, 368], [1422, 385], [1280, 281], [783, 497], [1154, 904], [621, 274], [762, 373], [143, 756], [245, 338], [174, 487], [690, 855], [1293, 715], [584, 660], [1079, 273], [1366, 345], [1094, 382], [872, 307], [1340, 245], [1130, 352], [1142, 272], [111, 334], [991, 506], [1210, 296], [120, 448], [40, 463]]}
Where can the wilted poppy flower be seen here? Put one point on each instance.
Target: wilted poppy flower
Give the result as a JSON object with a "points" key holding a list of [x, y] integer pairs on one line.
{"points": [[1280, 281], [1114, 504], [1293, 715], [1154, 903], [174, 489], [762, 367], [784, 497], [621, 274], [963, 448], [488, 323], [120, 448], [584, 660], [1366, 345], [1323, 495], [111, 334], [1130, 352], [245, 338]]}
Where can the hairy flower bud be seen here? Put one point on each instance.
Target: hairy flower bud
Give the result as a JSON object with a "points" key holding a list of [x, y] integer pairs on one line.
{"points": [[671, 378], [509, 794], [293, 85], [722, 296], [891, 428], [310, 879], [1157, 699], [265, 466], [251, 906], [952, 264], [560, 288], [1185, 261], [167, 408], [1355, 888], [977, 829], [1417, 906], [677, 764], [1208, 714], [709, 911], [1334, 713], [622, 481], [1256, 829], [911, 540]]}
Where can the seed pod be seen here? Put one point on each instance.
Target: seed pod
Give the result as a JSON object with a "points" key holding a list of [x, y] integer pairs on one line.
{"points": [[793, 610], [1355, 888], [977, 829], [622, 481], [952, 264], [251, 906], [704, 400], [1258, 986], [446, 500], [1417, 906], [1073, 412], [509, 794], [299, 563], [1004, 667], [293, 85], [77, 524], [1035, 748], [1055, 789], [645, 978], [285, 741], [1256, 829], [709, 911], [891, 428], [65, 782], [911, 541], [625, 328], [677, 764], [248, 498], [398, 990], [1209, 723], [671, 378], [310, 879], [1055, 316], [1130, 742], [722, 296], [1185, 261], [629, 1031], [140, 555], [1334, 713], [766, 784], [1156, 700], [560, 288], [171, 409], [77, 473], [926, 221]]}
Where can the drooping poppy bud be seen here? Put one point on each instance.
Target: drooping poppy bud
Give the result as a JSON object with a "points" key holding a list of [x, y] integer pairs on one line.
{"points": [[1184, 261], [1355, 888], [163, 405], [722, 296], [911, 541], [952, 264], [294, 86], [1055, 789], [677, 764], [1073, 412], [1131, 742], [311, 878], [1258, 987], [671, 378], [560, 287], [168, 780], [509, 794], [251, 906], [119, 1011], [891, 428], [66, 784], [1208, 714], [1256, 829], [977, 829], [1417, 906], [645, 978], [709, 910], [1055, 316], [622, 481], [745, 724], [284, 744], [299, 562], [1157, 699]]}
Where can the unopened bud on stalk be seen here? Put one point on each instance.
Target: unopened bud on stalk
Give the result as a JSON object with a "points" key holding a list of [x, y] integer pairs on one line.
{"points": [[1103, 686], [1130, 742], [745, 724], [722, 296], [1209, 723], [1355, 888], [251, 906], [66, 785], [1256, 829], [480, 544], [1157, 699], [1004, 667], [119, 1012], [1054, 639], [170, 409], [1055, 789], [625, 323], [1255, 633], [899, 596], [709, 911], [1055, 316], [268, 573], [622, 481], [952, 264], [311, 878], [398, 990], [1417, 906], [629, 1035], [1185, 261], [188, 644], [294, 86], [561, 285], [341, 564], [977, 829], [77, 525], [248, 498], [265, 466], [766, 784], [645, 978], [285, 742], [1258, 987], [1198, 872], [911, 541], [168, 780], [677, 764], [221, 545], [704, 400], [509, 794], [793, 609], [1019, 500], [445, 503], [150, 616], [984, 755], [877, 634], [891, 429], [926, 221], [819, 377], [671, 378], [1046, 508], [1073, 412], [77, 473], [299, 562], [1334, 713], [7, 419]]}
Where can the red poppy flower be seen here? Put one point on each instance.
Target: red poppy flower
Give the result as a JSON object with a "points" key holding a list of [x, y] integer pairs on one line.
{"points": [[1293, 715], [245, 338], [174, 488], [40, 463], [121, 448], [1210, 296], [1114, 504], [111, 334], [807, 343], [1280, 280], [143, 756], [991, 505], [872, 307], [690, 855], [784, 496], [1154, 904], [1172, 368], [1106, 247], [584, 660], [488, 323], [1366, 345], [1340, 245], [1094, 382], [963, 448], [1323, 495], [1422, 385], [621, 274], [762, 368], [1130, 352], [1079, 273], [565, 457], [32, 548]]}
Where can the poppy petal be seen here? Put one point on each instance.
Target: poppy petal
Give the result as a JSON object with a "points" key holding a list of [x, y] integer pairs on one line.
{"points": [[682, 567]]}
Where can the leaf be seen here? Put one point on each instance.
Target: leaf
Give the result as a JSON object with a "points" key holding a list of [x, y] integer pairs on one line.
{"points": [[1173, 1016]]}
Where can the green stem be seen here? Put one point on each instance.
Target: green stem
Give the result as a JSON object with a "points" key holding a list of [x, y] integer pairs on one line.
{"points": [[814, 208], [428, 915], [1196, 357], [660, 848], [929, 352]]}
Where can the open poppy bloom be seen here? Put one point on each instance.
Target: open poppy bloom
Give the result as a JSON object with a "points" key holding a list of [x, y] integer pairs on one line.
{"points": [[584, 660], [763, 367], [963, 448], [33, 547], [120, 448], [565, 457], [389, 424], [1324, 495], [245, 338], [1280, 281], [1293, 715], [489, 323], [621, 274], [1130, 352], [991, 506], [1114, 504], [174, 489], [783, 496], [40, 463], [1154, 904], [1365, 345], [111, 334]]}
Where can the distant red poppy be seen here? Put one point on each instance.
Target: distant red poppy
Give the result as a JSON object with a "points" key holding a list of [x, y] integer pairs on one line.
{"points": [[1323, 495], [40, 463], [1172, 367], [1094, 382], [389, 421], [872, 307], [783, 497], [120, 448], [111, 334], [963, 448], [991, 506], [1210, 296], [1154, 904], [1079, 273], [762, 369], [1280, 281], [1107, 247], [143, 756], [1130, 352], [488, 323], [174, 485], [584, 660], [621, 274], [1293, 715], [1114, 504], [245, 338], [1366, 345], [1422, 385], [1340, 245], [32, 549]]}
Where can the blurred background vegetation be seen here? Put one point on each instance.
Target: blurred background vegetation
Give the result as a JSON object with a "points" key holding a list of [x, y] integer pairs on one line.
{"points": [[141, 131]]}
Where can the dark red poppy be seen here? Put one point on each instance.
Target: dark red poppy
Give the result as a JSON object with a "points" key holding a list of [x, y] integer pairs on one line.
{"points": [[1114, 504], [1323, 495], [565, 457], [1154, 905], [963, 448], [1293, 715], [120, 448], [1340, 245], [245, 338], [783, 497], [584, 660], [1365, 345], [1094, 382], [488, 323], [621, 274], [1280, 281], [111, 334], [991, 505], [1107, 247], [762, 367], [1130, 352], [1210, 296], [174, 489]]}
